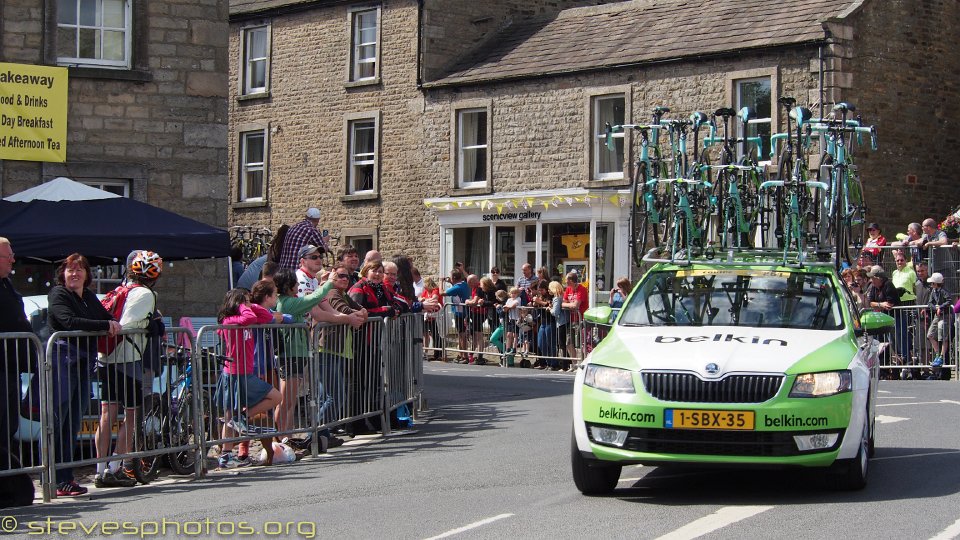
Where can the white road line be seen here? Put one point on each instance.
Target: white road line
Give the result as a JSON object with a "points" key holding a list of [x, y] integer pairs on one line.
{"points": [[473, 525], [917, 455], [631, 479], [727, 515], [890, 419], [950, 532], [896, 397], [913, 403]]}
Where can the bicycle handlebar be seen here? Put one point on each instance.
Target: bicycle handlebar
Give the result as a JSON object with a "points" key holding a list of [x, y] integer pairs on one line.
{"points": [[677, 181], [780, 183]]}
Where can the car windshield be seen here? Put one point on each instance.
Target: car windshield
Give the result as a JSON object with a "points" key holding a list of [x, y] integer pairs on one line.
{"points": [[731, 297]]}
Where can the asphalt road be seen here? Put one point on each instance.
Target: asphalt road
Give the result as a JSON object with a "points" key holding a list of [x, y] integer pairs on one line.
{"points": [[491, 460]]}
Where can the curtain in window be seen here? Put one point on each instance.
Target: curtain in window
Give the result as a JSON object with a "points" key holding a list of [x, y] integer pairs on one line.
{"points": [[473, 143], [256, 56], [609, 111]]}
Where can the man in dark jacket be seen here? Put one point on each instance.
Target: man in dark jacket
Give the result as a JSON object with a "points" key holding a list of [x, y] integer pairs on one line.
{"points": [[15, 353]]}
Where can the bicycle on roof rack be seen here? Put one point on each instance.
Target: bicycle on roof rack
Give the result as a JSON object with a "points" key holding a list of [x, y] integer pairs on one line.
{"points": [[844, 204], [737, 182], [647, 201]]}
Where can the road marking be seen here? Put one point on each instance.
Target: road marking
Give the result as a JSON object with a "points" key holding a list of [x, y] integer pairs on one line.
{"points": [[727, 515], [889, 419], [918, 403], [897, 397], [950, 532], [631, 479], [473, 525], [917, 455]]}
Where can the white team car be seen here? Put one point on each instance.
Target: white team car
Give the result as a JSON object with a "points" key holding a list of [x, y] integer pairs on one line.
{"points": [[730, 364]]}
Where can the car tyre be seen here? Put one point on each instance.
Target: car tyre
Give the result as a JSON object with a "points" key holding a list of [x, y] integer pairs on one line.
{"points": [[592, 478], [851, 474]]}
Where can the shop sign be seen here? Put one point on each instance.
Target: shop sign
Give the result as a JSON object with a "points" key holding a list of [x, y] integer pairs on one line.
{"points": [[512, 216], [33, 112]]}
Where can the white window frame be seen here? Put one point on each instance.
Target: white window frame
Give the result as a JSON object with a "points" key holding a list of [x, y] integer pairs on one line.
{"points": [[247, 61], [738, 104], [462, 148], [357, 159], [98, 27], [102, 184], [356, 61], [599, 137], [247, 167]]}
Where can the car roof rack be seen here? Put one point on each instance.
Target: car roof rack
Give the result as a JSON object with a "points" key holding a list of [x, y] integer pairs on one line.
{"points": [[772, 257]]}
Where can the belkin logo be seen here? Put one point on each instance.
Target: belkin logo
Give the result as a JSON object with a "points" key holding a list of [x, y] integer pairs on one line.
{"points": [[721, 337]]}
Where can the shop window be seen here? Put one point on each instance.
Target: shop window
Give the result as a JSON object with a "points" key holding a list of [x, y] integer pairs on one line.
{"points": [[253, 170], [607, 163], [471, 246], [365, 45], [94, 33], [472, 148], [363, 244], [505, 254], [756, 94], [255, 69], [568, 247]]}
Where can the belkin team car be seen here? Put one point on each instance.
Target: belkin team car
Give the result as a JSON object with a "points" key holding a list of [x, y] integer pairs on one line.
{"points": [[731, 364]]}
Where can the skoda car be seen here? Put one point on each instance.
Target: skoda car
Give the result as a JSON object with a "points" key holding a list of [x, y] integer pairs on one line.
{"points": [[733, 365]]}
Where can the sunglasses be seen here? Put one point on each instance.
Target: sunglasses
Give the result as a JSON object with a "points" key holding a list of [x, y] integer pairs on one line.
{"points": [[343, 276], [313, 257]]}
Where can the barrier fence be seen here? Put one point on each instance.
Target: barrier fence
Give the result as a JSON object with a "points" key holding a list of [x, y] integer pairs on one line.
{"points": [[525, 337], [173, 406]]}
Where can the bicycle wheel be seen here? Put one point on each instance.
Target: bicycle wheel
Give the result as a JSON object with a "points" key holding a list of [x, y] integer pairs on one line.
{"points": [[638, 214], [149, 436], [841, 233], [182, 432]]}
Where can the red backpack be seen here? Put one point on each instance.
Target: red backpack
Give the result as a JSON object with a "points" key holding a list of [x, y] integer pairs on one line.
{"points": [[113, 302]]}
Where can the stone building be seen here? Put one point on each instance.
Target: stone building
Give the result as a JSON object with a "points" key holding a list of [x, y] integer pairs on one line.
{"points": [[471, 131], [147, 115]]}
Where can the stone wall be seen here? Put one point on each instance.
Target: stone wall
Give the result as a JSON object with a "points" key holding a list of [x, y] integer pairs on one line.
{"points": [[903, 63], [161, 126]]}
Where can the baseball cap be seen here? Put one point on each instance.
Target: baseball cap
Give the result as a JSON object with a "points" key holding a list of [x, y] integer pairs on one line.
{"points": [[875, 226], [308, 249], [313, 213], [876, 271], [936, 277]]}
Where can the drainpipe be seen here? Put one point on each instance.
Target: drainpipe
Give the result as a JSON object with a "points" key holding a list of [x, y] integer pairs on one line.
{"points": [[419, 44], [820, 89]]}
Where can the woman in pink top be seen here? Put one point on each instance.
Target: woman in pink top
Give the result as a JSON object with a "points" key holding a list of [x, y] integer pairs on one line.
{"points": [[240, 393]]}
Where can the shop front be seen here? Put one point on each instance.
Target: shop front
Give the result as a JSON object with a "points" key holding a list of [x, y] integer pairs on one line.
{"points": [[563, 230]]}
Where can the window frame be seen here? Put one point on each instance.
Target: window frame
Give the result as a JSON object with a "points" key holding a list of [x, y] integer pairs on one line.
{"points": [[128, 30], [593, 142], [244, 167], [354, 16], [100, 184], [246, 90], [350, 123], [735, 78], [463, 148], [456, 147]]}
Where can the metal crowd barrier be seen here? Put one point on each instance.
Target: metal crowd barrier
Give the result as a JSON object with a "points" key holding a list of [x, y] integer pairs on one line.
{"points": [[529, 337], [23, 419], [179, 404], [909, 353]]}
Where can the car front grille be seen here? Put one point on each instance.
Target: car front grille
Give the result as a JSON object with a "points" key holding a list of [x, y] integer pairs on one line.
{"points": [[717, 442], [689, 388]]}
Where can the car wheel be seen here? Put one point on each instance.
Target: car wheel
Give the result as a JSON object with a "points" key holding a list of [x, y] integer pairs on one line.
{"points": [[592, 478], [851, 474]]}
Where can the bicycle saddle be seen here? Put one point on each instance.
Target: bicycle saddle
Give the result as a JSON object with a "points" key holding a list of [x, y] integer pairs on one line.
{"points": [[725, 112], [661, 110], [787, 101], [844, 106], [746, 114], [698, 119], [801, 114]]}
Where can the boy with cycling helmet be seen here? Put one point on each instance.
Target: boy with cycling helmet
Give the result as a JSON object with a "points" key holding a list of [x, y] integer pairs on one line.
{"points": [[121, 371]]}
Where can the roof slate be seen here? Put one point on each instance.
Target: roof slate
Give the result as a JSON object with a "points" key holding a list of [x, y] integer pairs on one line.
{"points": [[640, 31]]}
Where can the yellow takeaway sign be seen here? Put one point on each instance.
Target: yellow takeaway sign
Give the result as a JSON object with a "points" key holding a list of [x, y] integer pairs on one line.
{"points": [[33, 112]]}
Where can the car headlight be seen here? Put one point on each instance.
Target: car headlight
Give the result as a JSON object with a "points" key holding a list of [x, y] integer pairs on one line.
{"points": [[828, 383], [609, 379]]}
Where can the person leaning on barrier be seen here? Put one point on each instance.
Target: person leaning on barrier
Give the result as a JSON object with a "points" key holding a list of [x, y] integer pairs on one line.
{"points": [[16, 353], [121, 372], [296, 352], [16, 356], [73, 306], [941, 326]]}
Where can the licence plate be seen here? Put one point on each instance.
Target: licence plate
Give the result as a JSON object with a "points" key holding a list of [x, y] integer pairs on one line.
{"points": [[702, 419]]}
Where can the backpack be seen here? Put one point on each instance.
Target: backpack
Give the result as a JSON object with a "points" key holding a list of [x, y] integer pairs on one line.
{"points": [[113, 302]]}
